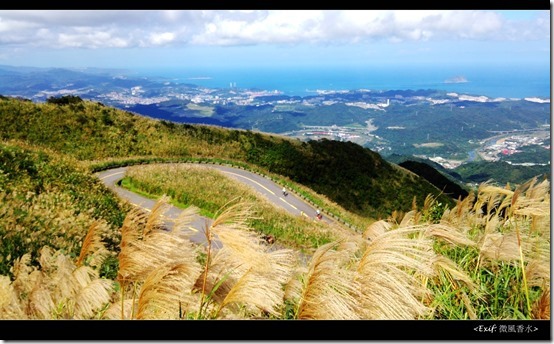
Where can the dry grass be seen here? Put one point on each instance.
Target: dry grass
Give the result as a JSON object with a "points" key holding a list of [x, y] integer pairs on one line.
{"points": [[93, 251], [453, 273], [58, 290], [388, 271], [253, 275], [330, 290], [166, 291], [241, 277], [541, 308], [520, 228], [400, 269], [10, 306], [145, 245], [512, 229]]}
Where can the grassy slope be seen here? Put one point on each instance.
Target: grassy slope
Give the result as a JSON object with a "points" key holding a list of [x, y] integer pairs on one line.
{"points": [[355, 178], [46, 198]]}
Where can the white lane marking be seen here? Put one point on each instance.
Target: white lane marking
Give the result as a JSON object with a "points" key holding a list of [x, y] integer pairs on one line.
{"points": [[140, 206], [113, 174], [253, 181], [282, 199]]}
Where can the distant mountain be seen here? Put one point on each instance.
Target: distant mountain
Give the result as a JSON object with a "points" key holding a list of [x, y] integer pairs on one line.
{"points": [[86, 70], [20, 69], [28, 82], [498, 172], [444, 179], [450, 174], [40, 83]]}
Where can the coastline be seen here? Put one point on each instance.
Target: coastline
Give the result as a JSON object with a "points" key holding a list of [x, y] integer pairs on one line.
{"points": [[493, 83]]}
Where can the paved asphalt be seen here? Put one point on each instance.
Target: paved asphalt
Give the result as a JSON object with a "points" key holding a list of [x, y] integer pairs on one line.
{"points": [[267, 188]]}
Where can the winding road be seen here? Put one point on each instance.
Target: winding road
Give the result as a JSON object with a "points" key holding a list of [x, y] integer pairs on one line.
{"points": [[265, 187]]}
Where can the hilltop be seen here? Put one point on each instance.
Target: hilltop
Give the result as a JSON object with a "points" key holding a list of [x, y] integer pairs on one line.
{"points": [[354, 177]]}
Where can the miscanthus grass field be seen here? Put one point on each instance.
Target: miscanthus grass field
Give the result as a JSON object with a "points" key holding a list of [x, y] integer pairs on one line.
{"points": [[71, 250]]}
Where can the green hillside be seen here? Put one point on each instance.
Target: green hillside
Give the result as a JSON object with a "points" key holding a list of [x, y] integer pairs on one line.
{"points": [[47, 198], [356, 178], [500, 172]]}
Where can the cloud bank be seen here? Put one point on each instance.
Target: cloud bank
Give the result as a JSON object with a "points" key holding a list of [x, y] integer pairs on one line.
{"points": [[95, 29]]}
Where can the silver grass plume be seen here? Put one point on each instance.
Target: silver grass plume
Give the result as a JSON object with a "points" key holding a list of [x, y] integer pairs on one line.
{"points": [[387, 273], [93, 247], [254, 277], [114, 310], [167, 291], [145, 246], [10, 306], [330, 291]]}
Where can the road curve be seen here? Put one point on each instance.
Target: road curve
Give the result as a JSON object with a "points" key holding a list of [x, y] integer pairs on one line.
{"points": [[267, 188]]}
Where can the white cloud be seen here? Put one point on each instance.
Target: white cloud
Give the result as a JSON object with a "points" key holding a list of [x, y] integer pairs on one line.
{"points": [[83, 38], [9, 25], [140, 28], [162, 38]]}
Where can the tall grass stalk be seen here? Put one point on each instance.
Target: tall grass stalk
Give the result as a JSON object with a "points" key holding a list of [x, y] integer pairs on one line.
{"points": [[207, 264], [330, 289]]}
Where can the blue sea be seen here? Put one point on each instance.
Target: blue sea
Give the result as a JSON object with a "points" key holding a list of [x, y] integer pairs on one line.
{"points": [[492, 81]]}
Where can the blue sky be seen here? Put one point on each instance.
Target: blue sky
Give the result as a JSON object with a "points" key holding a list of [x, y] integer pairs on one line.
{"points": [[281, 38]]}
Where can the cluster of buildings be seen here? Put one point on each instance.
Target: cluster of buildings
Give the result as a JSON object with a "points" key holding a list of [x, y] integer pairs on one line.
{"points": [[510, 145], [331, 132], [132, 98], [138, 96]]}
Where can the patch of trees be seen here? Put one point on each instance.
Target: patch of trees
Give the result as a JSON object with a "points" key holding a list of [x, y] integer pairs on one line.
{"points": [[64, 100]]}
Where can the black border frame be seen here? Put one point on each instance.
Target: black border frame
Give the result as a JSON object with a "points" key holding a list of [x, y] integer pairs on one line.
{"points": [[262, 330]]}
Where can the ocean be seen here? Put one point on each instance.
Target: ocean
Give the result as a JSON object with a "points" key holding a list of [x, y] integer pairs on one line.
{"points": [[493, 82]]}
